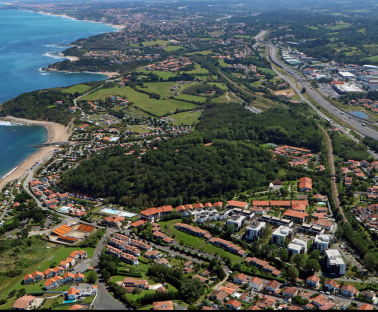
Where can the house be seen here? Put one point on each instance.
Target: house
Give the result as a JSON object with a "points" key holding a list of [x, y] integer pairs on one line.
{"points": [[76, 307], [50, 284], [234, 305], [219, 295], [28, 279], [272, 286], [305, 184], [49, 273], [64, 264], [115, 221], [153, 254], [349, 291], [255, 283], [162, 261], [331, 285], [201, 278], [319, 301], [58, 280], [68, 277], [58, 270], [237, 204], [71, 261], [132, 282], [366, 307], [38, 276], [163, 305], [370, 295], [79, 278], [23, 303], [188, 264], [73, 293], [313, 281], [240, 278], [296, 216], [289, 291]]}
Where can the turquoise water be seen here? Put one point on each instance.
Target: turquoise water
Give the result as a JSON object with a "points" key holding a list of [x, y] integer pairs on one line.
{"points": [[360, 114], [27, 43], [118, 212]]}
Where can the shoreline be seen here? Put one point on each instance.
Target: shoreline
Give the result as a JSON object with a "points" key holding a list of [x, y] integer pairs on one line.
{"points": [[64, 15], [56, 133], [110, 75]]}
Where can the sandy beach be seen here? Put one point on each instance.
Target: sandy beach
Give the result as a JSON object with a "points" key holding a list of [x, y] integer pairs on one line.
{"points": [[57, 133], [108, 74]]}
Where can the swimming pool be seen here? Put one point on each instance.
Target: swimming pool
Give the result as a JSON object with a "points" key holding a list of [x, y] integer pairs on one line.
{"points": [[321, 203], [68, 301], [64, 209], [120, 213]]}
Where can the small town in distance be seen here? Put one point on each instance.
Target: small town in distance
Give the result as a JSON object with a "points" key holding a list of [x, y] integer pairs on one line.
{"points": [[228, 162]]}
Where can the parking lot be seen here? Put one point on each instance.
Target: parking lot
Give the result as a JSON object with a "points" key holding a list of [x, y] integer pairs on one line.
{"points": [[82, 266], [327, 90]]}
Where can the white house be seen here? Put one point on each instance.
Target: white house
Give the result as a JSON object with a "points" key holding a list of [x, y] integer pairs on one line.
{"points": [[272, 286], [240, 278], [255, 283], [349, 291], [313, 281], [331, 285]]}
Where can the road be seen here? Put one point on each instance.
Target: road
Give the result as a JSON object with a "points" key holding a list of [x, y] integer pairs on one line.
{"points": [[293, 76]]}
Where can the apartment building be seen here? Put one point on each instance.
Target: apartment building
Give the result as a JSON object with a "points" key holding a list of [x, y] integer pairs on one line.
{"points": [[254, 231], [279, 235], [335, 262]]}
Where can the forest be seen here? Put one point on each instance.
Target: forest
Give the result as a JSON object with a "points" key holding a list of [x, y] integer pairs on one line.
{"points": [[184, 169], [40, 105]]}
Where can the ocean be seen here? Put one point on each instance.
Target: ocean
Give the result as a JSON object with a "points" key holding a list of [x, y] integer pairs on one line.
{"points": [[29, 42]]}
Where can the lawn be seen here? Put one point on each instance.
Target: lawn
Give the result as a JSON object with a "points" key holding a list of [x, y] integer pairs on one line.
{"points": [[186, 118], [164, 75], [313, 27], [151, 43], [81, 88], [164, 89], [199, 70], [189, 240], [147, 307], [169, 223], [222, 63], [219, 251], [372, 58], [141, 100], [173, 48], [337, 26]]}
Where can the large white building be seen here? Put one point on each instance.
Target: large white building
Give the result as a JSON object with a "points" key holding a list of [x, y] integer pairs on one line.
{"points": [[335, 262], [254, 230], [279, 235], [322, 242], [297, 246], [237, 221]]}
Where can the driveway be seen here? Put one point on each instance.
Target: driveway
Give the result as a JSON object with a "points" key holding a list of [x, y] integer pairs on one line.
{"points": [[82, 266]]}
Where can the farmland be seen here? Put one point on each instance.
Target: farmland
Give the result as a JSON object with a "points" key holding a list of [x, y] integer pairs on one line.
{"points": [[185, 118], [81, 88]]}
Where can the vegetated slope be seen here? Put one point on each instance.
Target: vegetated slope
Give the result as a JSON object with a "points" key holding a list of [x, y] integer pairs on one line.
{"points": [[40, 105], [184, 170]]}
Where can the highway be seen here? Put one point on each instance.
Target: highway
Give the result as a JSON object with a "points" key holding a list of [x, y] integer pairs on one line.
{"points": [[352, 121]]}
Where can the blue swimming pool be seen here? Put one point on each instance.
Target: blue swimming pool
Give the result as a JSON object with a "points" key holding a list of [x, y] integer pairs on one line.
{"points": [[321, 203], [64, 209], [118, 212], [68, 301]]}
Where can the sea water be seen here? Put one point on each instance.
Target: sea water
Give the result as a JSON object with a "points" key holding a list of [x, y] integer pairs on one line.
{"points": [[28, 42]]}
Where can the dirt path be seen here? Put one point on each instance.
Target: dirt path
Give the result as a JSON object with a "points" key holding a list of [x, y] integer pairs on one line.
{"points": [[335, 192]]}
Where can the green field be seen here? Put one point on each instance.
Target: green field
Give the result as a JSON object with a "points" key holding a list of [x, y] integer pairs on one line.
{"points": [[156, 107], [339, 26], [163, 88], [313, 27], [151, 43], [164, 75], [266, 70], [186, 118], [81, 88], [222, 63], [173, 48], [372, 58], [242, 36], [189, 240], [105, 93], [206, 52], [219, 251], [199, 70]]}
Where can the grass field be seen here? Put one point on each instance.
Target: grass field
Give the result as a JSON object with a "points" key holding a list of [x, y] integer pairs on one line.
{"points": [[186, 118], [189, 240], [151, 43], [372, 58], [242, 36], [337, 26], [81, 88], [266, 70], [141, 100], [164, 75], [222, 63], [173, 48], [163, 88], [219, 251], [105, 93], [313, 27], [199, 70], [206, 52]]}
